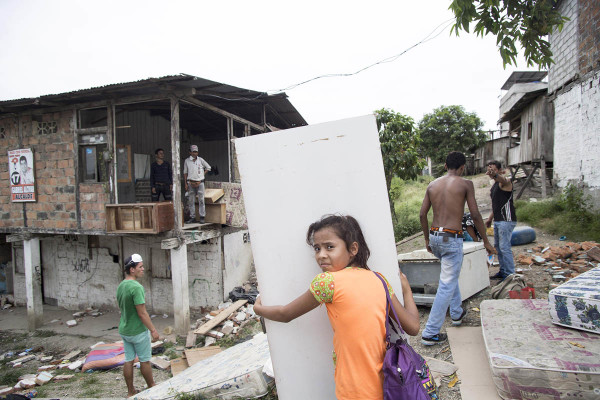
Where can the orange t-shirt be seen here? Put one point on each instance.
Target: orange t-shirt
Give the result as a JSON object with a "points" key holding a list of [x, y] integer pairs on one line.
{"points": [[355, 301]]}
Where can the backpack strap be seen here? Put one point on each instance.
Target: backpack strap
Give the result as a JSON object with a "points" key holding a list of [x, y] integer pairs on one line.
{"points": [[387, 310]]}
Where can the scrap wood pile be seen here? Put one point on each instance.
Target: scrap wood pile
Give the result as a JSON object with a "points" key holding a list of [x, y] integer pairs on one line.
{"points": [[563, 262], [227, 321]]}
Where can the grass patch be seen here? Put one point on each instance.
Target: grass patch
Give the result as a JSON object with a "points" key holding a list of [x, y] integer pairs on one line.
{"points": [[408, 197], [568, 214], [91, 380], [92, 392], [9, 375], [550, 216]]}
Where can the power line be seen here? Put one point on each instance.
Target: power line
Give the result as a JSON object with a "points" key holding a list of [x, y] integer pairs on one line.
{"points": [[390, 59], [393, 58]]}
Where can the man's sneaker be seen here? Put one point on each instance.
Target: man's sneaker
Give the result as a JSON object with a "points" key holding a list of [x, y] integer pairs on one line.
{"points": [[201, 220], [497, 276], [458, 322], [436, 339], [190, 221]]}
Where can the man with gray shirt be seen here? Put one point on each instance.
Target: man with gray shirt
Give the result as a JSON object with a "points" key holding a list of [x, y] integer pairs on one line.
{"points": [[194, 168]]}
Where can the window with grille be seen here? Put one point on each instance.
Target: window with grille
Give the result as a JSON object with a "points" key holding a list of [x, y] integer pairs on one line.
{"points": [[45, 128]]}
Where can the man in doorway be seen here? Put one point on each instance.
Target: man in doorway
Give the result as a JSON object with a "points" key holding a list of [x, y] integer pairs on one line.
{"points": [[26, 172], [194, 168], [447, 195], [135, 327], [504, 217], [161, 177]]}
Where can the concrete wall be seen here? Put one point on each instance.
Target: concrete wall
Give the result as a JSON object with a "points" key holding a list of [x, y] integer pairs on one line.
{"points": [[577, 105], [564, 46], [80, 272], [577, 136], [238, 260]]}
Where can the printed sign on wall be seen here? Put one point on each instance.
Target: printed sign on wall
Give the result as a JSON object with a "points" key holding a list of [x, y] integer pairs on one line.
{"points": [[22, 178]]}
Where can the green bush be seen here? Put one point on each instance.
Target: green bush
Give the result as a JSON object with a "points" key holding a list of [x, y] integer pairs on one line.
{"points": [[568, 214]]}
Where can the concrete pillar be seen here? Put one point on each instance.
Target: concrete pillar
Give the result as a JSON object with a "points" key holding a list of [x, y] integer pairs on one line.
{"points": [[33, 283], [181, 297]]}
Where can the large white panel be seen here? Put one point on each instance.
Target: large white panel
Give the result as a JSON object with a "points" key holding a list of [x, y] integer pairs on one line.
{"points": [[290, 179]]}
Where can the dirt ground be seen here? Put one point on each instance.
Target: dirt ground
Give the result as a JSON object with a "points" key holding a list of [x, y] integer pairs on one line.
{"points": [[535, 276], [110, 384]]}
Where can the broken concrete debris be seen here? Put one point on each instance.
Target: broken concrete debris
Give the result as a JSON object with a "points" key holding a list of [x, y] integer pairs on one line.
{"points": [[563, 262]]}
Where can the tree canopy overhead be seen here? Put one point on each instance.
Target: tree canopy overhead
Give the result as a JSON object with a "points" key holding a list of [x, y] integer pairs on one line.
{"points": [[528, 22], [450, 128]]}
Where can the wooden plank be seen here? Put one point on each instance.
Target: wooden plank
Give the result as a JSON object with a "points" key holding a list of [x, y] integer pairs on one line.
{"points": [[87, 131], [202, 353], [526, 182], [178, 365], [176, 166], [160, 363], [210, 107], [190, 341], [223, 315], [213, 195]]}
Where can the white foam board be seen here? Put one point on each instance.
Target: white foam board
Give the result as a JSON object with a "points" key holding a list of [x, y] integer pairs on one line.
{"points": [[290, 179]]}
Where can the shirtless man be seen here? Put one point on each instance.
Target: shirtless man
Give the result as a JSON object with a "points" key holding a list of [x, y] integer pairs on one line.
{"points": [[447, 196]]}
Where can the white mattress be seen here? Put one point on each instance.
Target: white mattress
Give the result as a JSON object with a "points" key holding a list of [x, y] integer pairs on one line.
{"points": [[532, 358], [576, 303], [232, 374]]}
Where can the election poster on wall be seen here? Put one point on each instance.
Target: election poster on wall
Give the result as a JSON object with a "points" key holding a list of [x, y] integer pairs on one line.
{"points": [[22, 177]]}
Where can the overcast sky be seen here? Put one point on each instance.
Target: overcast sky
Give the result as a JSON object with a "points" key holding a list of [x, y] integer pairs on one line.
{"points": [[57, 46]]}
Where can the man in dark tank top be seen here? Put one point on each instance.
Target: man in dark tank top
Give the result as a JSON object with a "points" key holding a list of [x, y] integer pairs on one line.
{"points": [[504, 217]]}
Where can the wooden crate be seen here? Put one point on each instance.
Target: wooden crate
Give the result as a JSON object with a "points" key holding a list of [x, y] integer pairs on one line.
{"points": [[215, 213], [140, 217]]}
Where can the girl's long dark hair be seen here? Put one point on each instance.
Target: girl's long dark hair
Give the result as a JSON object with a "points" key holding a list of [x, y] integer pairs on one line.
{"points": [[348, 229]]}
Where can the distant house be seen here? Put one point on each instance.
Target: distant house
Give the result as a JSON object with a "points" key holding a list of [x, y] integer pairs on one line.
{"points": [[573, 90], [527, 117], [68, 233]]}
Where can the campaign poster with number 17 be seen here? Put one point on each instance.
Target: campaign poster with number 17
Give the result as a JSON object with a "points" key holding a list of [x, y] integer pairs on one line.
{"points": [[22, 177]]}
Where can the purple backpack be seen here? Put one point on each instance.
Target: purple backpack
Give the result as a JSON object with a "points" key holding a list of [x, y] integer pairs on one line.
{"points": [[406, 375]]}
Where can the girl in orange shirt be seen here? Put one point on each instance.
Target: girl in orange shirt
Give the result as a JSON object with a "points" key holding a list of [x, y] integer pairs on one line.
{"points": [[356, 306]]}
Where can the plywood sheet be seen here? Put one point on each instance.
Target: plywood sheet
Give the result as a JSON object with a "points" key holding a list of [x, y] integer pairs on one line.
{"points": [[202, 353], [469, 355], [309, 172], [178, 365]]}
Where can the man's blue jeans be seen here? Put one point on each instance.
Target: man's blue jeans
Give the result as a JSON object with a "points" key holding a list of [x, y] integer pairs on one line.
{"points": [[502, 236], [450, 252]]}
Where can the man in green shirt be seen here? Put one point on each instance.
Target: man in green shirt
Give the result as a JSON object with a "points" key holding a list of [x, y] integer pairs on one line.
{"points": [[135, 323]]}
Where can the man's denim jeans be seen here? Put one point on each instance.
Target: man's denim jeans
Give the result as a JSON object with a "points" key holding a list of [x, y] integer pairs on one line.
{"points": [[450, 252], [502, 236]]}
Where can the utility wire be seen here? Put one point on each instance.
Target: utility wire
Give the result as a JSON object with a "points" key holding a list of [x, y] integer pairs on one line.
{"points": [[441, 27], [393, 58]]}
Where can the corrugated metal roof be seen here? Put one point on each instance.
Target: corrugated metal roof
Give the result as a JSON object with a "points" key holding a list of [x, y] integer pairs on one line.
{"points": [[524, 77], [218, 94]]}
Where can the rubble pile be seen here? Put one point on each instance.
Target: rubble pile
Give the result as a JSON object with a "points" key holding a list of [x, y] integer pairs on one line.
{"points": [[7, 301], [46, 372], [563, 262]]}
